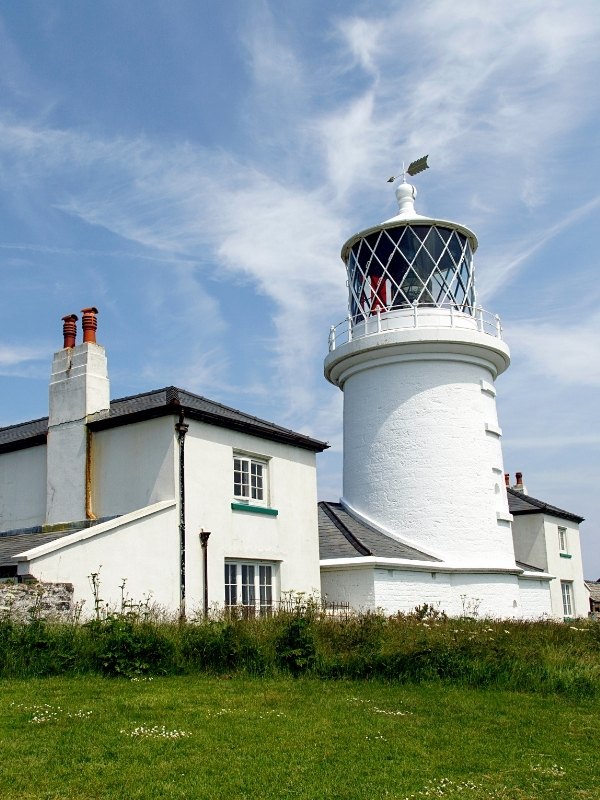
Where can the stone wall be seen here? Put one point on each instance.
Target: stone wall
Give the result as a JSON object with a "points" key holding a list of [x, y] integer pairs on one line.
{"points": [[23, 602]]}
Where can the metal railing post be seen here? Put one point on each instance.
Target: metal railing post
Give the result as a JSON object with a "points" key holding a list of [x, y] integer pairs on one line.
{"points": [[349, 328], [332, 338], [498, 327], [378, 320], [415, 319], [480, 319]]}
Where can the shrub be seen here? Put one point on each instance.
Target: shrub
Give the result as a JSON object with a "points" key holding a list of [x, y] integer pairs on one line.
{"points": [[295, 644], [121, 646]]}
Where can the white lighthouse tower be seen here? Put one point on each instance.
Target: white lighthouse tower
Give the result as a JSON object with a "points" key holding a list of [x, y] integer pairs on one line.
{"points": [[416, 359]]}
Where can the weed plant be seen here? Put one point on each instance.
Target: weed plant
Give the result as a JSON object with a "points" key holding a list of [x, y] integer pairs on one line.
{"points": [[542, 657]]}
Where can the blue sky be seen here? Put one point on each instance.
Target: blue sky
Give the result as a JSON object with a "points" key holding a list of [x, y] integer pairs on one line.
{"points": [[193, 168]]}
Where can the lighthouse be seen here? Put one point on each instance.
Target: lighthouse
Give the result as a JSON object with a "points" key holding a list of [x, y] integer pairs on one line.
{"points": [[417, 359]]}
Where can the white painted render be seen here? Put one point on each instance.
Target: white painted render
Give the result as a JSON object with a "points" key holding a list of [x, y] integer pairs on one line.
{"points": [[422, 454], [23, 488], [133, 466], [355, 586], [141, 547], [397, 587], [536, 602]]}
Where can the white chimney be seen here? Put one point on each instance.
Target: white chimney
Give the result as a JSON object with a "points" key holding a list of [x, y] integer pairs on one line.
{"points": [[79, 387]]}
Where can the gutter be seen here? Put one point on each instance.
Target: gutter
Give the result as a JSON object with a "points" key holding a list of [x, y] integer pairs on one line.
{"points": [[182, 428]]}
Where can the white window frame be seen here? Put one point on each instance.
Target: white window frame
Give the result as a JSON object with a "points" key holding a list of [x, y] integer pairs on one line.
{"points": [[250, 585], [566, 588], [255, 489], [563, 541]]}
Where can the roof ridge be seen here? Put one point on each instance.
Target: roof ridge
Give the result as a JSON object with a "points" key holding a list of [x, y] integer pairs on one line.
{"points": [[351, 538]]}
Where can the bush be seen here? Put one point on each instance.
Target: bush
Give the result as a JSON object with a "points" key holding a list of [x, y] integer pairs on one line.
{"points": [[295, 644], [122, 646]]}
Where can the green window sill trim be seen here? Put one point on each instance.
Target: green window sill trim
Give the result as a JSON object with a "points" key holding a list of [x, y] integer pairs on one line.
{"points": [[565, 555], [269, 512]]}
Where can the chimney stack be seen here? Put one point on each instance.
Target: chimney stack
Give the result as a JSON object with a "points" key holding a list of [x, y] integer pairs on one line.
{"points": [[507, 479], [69, 330], [79, 388], [519, 485]]}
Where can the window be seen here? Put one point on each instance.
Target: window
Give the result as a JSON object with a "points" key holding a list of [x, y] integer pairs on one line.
{"points": [[567, 598], [249, 479], [250, 585], [562, 540]]}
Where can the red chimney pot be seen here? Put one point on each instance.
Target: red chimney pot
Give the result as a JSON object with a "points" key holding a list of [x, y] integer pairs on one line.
{"points": [[89, 323], [70, 330], [507, 478], [519, 477]]}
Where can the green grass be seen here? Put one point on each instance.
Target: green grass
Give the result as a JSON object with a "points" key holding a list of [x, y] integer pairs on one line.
{"points": [[285, 738]]}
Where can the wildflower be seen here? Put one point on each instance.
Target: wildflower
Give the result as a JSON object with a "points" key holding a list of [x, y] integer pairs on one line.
{"points": [[156, 732]]}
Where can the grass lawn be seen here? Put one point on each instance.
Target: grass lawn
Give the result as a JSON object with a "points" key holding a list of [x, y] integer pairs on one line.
{"points": [[201, 737]]}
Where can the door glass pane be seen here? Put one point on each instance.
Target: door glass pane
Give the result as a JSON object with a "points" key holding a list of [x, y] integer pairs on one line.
{"points": [[266, 586], [567, 599], [248, 591], [230, 584]]}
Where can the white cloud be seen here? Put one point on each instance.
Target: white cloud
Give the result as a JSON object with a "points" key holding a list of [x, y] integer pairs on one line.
{"points": [[561, 350], [363, 39]]}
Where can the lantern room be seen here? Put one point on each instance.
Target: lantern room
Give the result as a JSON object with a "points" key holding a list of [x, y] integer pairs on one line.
{"points": [[410, 260]]}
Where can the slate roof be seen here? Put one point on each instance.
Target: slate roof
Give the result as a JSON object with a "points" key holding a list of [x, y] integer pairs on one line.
{"points": [[158, 403], [519, 503], [343, 536], [25, 434], [594, 590]]}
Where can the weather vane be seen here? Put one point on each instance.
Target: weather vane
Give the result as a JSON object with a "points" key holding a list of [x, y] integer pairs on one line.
{"points": [[413, 169]]}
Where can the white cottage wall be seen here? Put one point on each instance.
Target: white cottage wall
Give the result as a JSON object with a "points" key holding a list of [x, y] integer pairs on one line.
{"points": [[133, 466], [141, 547], [23, 488], [400, 590], [565, 566], [457, 594], [288, 540], [529, 541], [354, 586], [536, 601]]}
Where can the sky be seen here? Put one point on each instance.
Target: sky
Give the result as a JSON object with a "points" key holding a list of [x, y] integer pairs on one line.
{"points": [[193, 168]]}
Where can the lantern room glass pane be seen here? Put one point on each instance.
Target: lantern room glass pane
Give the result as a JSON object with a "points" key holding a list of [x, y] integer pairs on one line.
{"points": [[410, 264]]}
